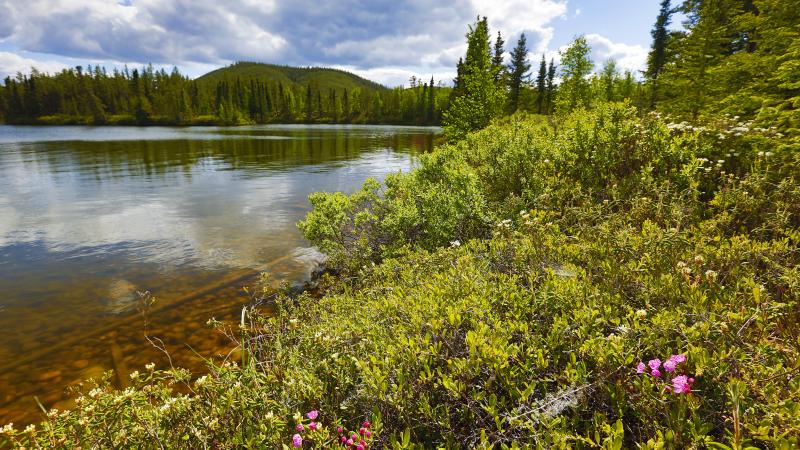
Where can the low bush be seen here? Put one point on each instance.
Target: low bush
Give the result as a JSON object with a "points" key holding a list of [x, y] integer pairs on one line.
{"points": [[609, 281]]}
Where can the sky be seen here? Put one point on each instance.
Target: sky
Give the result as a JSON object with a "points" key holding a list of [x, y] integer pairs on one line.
{"points": [[387, 41]]}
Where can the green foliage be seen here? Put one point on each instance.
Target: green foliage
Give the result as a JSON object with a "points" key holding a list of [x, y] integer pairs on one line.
{"points": [[242, 93], [518, 73], [735, 57], [479, 98], [521, 276], [575, 68]]}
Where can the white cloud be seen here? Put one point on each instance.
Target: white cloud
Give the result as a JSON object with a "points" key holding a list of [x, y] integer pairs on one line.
{"points": [[156, 31], [517, 16], [397, 76], [387, 41], [628, 57], [11, 63]]}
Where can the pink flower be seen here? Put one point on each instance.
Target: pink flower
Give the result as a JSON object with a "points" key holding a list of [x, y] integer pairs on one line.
{"points": [[349, 442], [641, 368], [669, 365], [299, 427], [312, 426], [368, 434], [656, 373], [361, 442], [678, 358], [682, 384], [365, 424], [354, 437], [654, 364], [344, 439], [360, 447], [362, 430], [312, 414], [340, 430], [297, 440]]}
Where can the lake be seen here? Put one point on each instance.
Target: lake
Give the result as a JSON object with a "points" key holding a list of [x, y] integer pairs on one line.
{"points": [[91, 218]]}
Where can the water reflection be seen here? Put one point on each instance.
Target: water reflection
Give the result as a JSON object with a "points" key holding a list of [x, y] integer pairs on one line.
{"points": [[91, 216]]}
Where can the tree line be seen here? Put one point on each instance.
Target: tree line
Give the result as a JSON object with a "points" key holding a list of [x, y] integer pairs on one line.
{"points": [[734, 57], [149, 96], [739, 58]]}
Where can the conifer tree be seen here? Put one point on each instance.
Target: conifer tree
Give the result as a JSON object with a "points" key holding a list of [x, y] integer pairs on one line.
{"points": [[497, 58], [541, 86], [430, 113], [518, 71], [658, 53], [551, 86]]}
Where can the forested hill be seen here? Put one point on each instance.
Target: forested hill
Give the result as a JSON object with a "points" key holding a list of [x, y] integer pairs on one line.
{"points": [[322, 77], [243, 93]]}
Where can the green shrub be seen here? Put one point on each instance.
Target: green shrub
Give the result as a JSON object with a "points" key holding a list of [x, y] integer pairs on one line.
{"points": [[525, 280]]}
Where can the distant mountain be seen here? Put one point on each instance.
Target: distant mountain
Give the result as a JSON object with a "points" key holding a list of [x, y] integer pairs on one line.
{"points": [[319, 77]]}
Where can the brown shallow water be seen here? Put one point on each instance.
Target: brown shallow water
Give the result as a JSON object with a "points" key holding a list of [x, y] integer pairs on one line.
{"points": [[90, 217]]}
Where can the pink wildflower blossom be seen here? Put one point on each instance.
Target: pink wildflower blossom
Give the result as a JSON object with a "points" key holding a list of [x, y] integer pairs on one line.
{"points": [[656, 373], [299, 427], [682, 384], [312, 426], [641, 368], [360, 447], [678, 358], [312, 414], [297, 440], [349, 442], [365, 424], [340, 430], [654, 364], [362, 430], [669, 365], [368, 434], [344, 439]]}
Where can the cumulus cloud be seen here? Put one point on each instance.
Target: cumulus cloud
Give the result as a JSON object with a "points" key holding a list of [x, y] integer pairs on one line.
{"points": [[628, 57], [533, 17], [11, 63], [146, 30], [383, 38]]}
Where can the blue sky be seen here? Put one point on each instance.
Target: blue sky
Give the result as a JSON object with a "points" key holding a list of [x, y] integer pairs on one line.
{"points": [[384, 40]]}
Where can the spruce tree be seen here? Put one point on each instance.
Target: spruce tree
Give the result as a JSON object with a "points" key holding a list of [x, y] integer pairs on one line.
{"points": [[658, 53], [430, 114], [497, 58], [551, 87], [541, 86], [518, 71]]}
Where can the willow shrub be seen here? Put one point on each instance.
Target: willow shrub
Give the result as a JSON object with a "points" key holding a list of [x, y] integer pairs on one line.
{"points": [[600, 283]]}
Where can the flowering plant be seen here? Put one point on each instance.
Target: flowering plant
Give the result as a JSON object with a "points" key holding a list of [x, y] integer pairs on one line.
{"points": [[308, 429]]}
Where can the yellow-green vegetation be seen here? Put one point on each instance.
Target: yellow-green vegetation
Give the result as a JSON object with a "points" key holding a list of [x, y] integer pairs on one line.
{"points": [[515, 290]]}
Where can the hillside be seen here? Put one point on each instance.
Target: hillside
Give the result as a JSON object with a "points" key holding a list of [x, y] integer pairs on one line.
{"points": [[321, 77]]}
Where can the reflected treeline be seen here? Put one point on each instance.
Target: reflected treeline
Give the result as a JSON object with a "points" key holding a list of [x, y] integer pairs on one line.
{"points": [[275, 151]]}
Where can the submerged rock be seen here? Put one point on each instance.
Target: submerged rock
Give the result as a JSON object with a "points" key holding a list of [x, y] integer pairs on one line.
{"points": [[312, 263], [122, 297]]}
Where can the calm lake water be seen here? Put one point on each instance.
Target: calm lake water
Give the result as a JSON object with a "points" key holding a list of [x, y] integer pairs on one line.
{"points": [[90, 217]]}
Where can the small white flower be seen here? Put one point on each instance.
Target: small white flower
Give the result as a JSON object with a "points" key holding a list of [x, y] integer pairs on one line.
{"points": [[455, 243]]}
